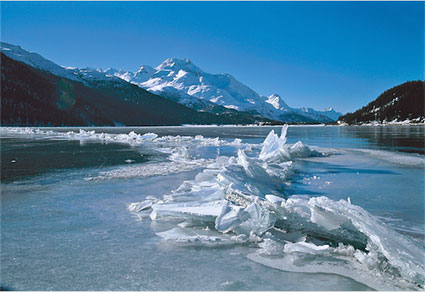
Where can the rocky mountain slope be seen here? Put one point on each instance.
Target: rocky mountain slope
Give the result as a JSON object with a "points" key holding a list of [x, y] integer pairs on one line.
{"points": [[401, 104]]}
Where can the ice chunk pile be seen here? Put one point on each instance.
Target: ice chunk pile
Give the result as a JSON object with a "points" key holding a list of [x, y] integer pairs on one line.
{"points": [[164, 143], [241, 199], [176, 147], [130, 138], [275, 148], [320, 234]]}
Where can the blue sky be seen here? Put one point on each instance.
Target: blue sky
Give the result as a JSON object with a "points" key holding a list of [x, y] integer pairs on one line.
{"points": [[316, 54]]}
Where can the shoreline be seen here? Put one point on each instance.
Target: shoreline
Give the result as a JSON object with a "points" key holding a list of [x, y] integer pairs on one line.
{"points": [[222, 126]]}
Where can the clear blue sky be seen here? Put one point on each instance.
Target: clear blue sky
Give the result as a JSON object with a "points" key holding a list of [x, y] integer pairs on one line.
{"points": [[316, 54]]}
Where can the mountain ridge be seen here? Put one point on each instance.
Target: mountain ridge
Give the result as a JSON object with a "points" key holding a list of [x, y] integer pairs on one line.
{"points": [[214, 93], [403, 103], [184, 78], [36, 97]]}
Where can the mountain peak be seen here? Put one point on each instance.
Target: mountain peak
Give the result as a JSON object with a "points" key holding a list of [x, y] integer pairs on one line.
{"points": [[110, 70], [145, 69], [176, 64], [276, 101]]}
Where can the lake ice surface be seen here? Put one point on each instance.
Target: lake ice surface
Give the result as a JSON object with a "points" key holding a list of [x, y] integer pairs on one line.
{"points": [[213, 208]]}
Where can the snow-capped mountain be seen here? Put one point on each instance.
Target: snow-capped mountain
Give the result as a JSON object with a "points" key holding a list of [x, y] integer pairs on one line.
{"points": [[277, 102], [37, 94], [35, 60], [104, 78], [182, 81], [177, 76], [185, 82], [331, 113]]}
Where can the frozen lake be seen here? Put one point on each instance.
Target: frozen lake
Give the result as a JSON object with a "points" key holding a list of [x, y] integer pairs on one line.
{"points": [[213, 208]]}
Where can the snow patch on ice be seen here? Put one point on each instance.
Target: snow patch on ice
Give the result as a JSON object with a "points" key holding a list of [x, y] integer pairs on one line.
{"points": [[406, 159]]}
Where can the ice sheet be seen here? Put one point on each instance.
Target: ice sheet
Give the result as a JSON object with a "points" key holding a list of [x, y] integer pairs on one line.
{"points": [[241, 199], [244, 197]]}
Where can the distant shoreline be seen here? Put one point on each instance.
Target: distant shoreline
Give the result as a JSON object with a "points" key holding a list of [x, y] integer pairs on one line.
{"points": [[223, 126]]}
